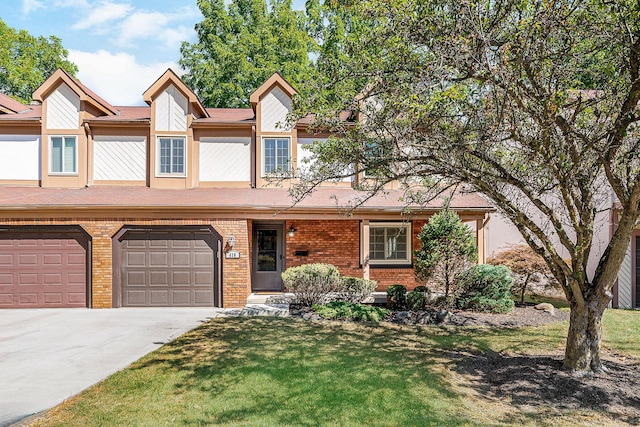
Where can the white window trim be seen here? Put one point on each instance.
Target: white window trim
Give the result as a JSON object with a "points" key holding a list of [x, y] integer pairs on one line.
{"points": [[170, 174], [365, 245], [262, 154], [51, 172]]}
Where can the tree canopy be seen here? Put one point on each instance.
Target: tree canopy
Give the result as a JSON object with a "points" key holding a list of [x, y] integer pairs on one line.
{"points": [[534, 104], [26, 61], [241, 45]]}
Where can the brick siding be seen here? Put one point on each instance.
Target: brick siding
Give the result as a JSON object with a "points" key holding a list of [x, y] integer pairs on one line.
{"points": [[337, 242]]}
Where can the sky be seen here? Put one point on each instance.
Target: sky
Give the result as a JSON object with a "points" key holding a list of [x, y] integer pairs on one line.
{"points": [[120, 46]]}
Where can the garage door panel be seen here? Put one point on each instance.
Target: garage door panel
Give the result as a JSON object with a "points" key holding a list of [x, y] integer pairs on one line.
{"points": [[157, 297], [159, 278], [181, 259], [43, 269], [181, 278], [159, 259], [136, 297], [135, 278], [136, 259], [179, 268]]}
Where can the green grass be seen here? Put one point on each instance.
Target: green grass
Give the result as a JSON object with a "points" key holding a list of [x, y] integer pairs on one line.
{"points": [[274, 372]]}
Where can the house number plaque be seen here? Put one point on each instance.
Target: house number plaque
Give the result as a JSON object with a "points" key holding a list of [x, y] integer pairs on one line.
{"points": [[232, 255]]}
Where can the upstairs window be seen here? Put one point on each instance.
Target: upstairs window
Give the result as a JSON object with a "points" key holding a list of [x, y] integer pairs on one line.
{"points": [[63, 155], [171, 153], [276, 155], [389, 243]]}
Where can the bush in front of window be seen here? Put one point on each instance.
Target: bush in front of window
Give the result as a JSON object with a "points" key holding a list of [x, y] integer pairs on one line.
{"points": [[356, 289], [485, 287], [416, 300], [448, 248], [396, 297], [312, 283]]}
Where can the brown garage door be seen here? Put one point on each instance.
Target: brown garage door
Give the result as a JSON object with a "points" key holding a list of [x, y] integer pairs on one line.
{"points": [[167, 268], [43, 269]]}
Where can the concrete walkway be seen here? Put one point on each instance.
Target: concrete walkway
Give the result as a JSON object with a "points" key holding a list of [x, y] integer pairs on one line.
{"points": [[49, 355]]}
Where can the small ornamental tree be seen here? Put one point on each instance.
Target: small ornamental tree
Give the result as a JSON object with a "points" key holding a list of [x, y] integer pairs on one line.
{"points": [[527, 267], [448, 248]]}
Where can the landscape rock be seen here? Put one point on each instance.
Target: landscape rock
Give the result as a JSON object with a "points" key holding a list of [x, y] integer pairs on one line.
{"points": [[311, 316], [546, 307], [424, 318], [443, 316]]}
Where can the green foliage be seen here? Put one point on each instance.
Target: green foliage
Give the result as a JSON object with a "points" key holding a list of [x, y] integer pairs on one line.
{"points": [[312, 283], [27, 61], [416, 300], [241, 45], [396, 297], [356, 289], [425, 290], [343, 310], [485, 287], [448, 247]]}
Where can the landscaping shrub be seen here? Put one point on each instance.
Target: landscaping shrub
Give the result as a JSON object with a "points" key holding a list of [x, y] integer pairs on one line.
{"points": [[485, 287], [343, 310], [527, 267], [448, 248], [356, 289], [396, 297], [416, 300], [312, 283]]}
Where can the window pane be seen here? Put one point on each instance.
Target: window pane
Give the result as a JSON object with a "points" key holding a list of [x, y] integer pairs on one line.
{"points": [[178, 156], [69, 154], [165, 155], [56, 154], [388, 243], [376, 243], [269, 155], [283, 154]]}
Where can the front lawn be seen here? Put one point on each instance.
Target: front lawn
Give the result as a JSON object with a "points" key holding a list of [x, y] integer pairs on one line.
{"points": [[274, 371]]}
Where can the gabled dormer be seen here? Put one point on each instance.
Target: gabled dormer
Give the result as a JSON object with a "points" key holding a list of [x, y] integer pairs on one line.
{"points": [[66, 103], [276, 141], [173, 156]]}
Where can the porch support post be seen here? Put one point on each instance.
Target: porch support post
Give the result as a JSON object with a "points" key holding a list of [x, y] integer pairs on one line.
{"points": [[365, 249]]}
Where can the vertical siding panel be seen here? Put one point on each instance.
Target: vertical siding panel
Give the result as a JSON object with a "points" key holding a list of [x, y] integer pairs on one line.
{"points": [[274, 108], [63, 109], [162, 112], [624, 281]]}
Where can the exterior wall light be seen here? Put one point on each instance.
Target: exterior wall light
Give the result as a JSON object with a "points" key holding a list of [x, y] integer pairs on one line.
{"points": [[231, 242], [291, 232]]}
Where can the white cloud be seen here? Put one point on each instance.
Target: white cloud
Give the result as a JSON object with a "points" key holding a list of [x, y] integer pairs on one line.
{"points": [[118, 77], [103, 13], [29, 6], [157, 26]]}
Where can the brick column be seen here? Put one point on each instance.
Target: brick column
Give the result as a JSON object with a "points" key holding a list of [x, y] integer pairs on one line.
{"points": [[101, 262]]}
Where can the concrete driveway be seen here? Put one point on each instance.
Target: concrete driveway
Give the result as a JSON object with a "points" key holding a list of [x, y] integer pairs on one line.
{"points": [[48, 355]]}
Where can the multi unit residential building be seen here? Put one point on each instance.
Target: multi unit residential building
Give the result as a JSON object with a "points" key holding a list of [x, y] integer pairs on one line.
{"points": [[169, 203]]}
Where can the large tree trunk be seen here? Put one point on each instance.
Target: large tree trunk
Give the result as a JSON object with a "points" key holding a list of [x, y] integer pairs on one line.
{"points": [[585, 333]]}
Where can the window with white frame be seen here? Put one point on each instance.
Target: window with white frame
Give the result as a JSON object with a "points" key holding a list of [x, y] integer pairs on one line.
{"points": [[389, 243], [63, 155], [276, 155], [171, 156]]}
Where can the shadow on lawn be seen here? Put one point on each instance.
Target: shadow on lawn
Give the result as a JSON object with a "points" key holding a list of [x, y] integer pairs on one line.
{"points": [[287, 372], [540, 381]]}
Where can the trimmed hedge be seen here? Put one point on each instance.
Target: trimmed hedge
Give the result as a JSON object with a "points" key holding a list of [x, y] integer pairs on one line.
{"points": [[396, 295]]}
